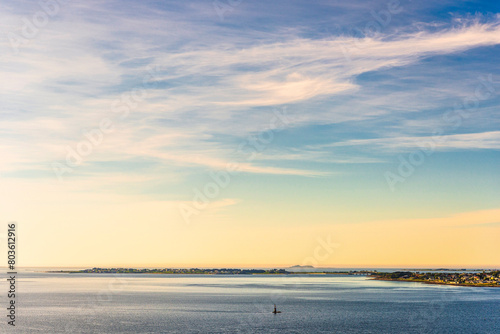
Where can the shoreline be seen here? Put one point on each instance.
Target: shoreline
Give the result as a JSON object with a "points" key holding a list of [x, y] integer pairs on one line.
{"points": [[481, 285]]}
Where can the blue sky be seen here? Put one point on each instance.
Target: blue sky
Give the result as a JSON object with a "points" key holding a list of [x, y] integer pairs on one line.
{"points": [[351, 88]]}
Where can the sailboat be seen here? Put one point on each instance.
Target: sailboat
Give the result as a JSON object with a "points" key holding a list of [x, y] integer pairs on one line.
{"points": [[275, 310]]}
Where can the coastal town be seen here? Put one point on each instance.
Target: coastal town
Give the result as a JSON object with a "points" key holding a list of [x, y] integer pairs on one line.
{"points": [[484, 278]]}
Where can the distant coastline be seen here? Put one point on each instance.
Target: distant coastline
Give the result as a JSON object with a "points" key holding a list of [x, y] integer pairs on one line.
{"points": [[296, 270]]}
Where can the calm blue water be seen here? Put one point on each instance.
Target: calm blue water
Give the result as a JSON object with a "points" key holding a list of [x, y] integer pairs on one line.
{"points": [[85, 303]]}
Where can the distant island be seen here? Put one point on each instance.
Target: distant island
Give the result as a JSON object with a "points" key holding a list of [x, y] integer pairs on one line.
{"points": [[301, 268], [484, 279]]}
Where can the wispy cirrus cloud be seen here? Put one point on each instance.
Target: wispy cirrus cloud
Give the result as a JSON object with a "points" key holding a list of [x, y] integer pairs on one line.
{"points": [[313, 68]]}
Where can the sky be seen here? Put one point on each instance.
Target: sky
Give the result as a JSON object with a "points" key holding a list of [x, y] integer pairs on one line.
{"points": [[251, 133]]}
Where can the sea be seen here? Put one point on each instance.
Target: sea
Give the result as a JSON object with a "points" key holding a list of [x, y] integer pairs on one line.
{"points": [[140, 303]]}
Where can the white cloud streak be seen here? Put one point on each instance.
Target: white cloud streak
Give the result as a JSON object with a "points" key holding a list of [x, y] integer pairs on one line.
{"points": [[467, 141]]}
